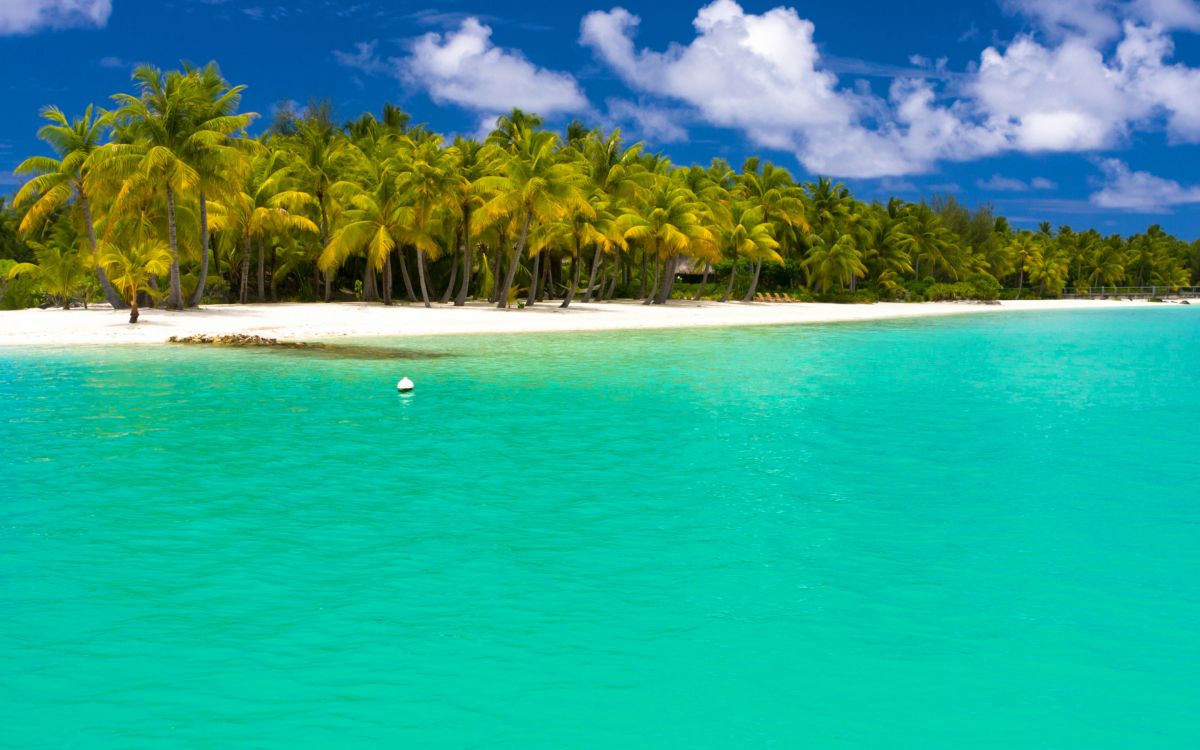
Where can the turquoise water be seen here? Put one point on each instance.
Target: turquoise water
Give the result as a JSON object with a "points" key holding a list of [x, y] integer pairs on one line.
{"points": [[960, 533]]}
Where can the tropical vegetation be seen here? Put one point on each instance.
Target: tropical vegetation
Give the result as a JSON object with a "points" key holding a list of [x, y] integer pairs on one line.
{"points": [[168, 198]]}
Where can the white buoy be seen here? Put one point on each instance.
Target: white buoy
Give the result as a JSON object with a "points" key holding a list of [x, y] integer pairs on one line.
{"points": [[405, 385]]}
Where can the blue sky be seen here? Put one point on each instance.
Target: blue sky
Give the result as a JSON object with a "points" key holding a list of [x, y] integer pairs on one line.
{"points": [[1080, 112]]}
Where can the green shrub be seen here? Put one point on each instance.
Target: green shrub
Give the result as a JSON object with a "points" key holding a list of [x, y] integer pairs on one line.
{"points": [[986, 286]]}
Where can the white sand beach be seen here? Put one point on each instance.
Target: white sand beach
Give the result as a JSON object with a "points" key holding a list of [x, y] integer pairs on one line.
{"points": [[315, 321]]}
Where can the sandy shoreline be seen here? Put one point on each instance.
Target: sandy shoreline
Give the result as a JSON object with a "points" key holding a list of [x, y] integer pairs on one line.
{"points": [[313, 321]]}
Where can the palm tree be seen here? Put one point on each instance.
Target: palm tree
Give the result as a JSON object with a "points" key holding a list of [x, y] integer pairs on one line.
{"points": [[56, 181], [668, 225], [746, 234], [60, 270], [319, 156], [215, 156], [132, 266], [534, 185], [161, 122], [259, 208], [431, 185], [926, 239], [376, 217], [473, 161], [781, 200], [838, 263], [1023, 247]]}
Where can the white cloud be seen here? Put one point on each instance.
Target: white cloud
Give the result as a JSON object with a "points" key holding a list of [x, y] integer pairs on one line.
{"points": [[464, 67], [1100, 20], [1128, 190], [647, 122], [28, 16], [112, 61], [364, 58], [1001, 184], [764, 75]]}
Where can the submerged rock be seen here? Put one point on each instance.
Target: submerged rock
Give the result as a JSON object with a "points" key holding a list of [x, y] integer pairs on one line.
{"points": [[324, 351]]}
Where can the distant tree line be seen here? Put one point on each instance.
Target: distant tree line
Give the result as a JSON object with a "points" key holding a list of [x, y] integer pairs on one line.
{"points": [[167, 199]]}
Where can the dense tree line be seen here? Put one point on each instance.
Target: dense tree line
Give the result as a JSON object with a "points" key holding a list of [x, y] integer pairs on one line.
{"points": [[166, 198]]}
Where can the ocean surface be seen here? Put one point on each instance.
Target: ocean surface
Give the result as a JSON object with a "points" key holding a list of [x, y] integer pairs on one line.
{"points": [[977, 532]]}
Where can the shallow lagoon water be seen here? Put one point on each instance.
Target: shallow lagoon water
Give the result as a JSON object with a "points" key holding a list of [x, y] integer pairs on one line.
{"points": [[968, 532]]}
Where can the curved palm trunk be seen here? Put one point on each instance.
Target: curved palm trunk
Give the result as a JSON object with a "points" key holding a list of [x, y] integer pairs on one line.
{"points": [[668, 282], [616, 274], [534, 278], [587, 296], [652, 294], [577, 265], [242, 294], [502, 297], [199, 293], [1020, 282], [262, 270], [753, 283], [460, 299], [732, 276], [421, 276], [408, 290], [174, 296], [453, 280], [106, 286], [703, 281]]}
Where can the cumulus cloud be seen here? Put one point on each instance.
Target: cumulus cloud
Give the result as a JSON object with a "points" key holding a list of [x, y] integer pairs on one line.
{"points": [[1100, 20], [466, 68], [1129, 190], [28, 16], [764, 75]]}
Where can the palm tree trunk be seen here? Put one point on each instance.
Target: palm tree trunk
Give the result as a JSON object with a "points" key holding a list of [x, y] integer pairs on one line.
{"points": [[587, 296], [262, 270], [502, 297], [616, 274], [370, 290], [199, 293], [453, 280], [668, 281], [325, 244], [460, 299], [753, 283], [387, 279], [703, 281], [642, 288], [174, 297], [106, 286], [576, 271], [1020, 282], [534, 277], [421, 276], [245, 270], [495, 295], [732, 276], [133, 307], [408, 290]]}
